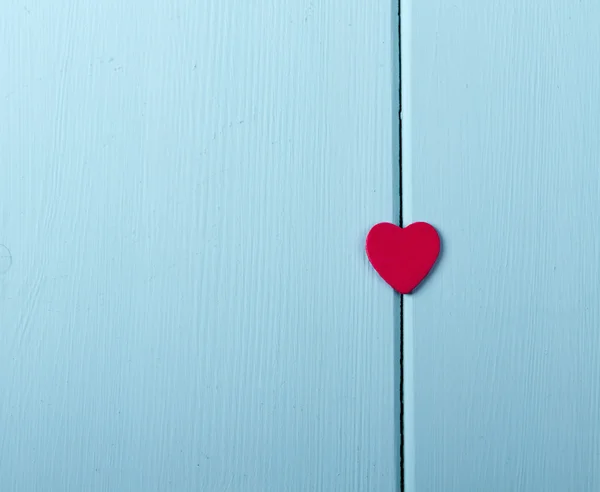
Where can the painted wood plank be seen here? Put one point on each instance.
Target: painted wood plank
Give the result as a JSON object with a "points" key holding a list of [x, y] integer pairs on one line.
{"points": [[185, 188], [501, 113]]}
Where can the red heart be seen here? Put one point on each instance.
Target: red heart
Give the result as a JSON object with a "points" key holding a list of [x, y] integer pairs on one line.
{"points": [[403, 257]]}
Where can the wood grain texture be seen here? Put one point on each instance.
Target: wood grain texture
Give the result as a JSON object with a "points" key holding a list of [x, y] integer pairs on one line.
{"points": [[501, 113], [185, 189]]}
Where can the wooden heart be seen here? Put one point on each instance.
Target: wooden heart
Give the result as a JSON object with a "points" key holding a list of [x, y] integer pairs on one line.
{"points": [[403, 256]]}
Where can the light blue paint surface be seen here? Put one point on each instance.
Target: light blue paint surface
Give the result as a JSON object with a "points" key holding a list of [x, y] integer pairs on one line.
{"points": [[185, 188], [501, 149]]}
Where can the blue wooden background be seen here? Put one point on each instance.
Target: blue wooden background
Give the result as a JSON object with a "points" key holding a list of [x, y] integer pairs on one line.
{"points": [[185, 188], [185, 303], [501, 151]]}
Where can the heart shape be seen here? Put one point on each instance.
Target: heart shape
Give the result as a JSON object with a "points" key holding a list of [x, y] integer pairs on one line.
{"points": [[403, 256]]}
